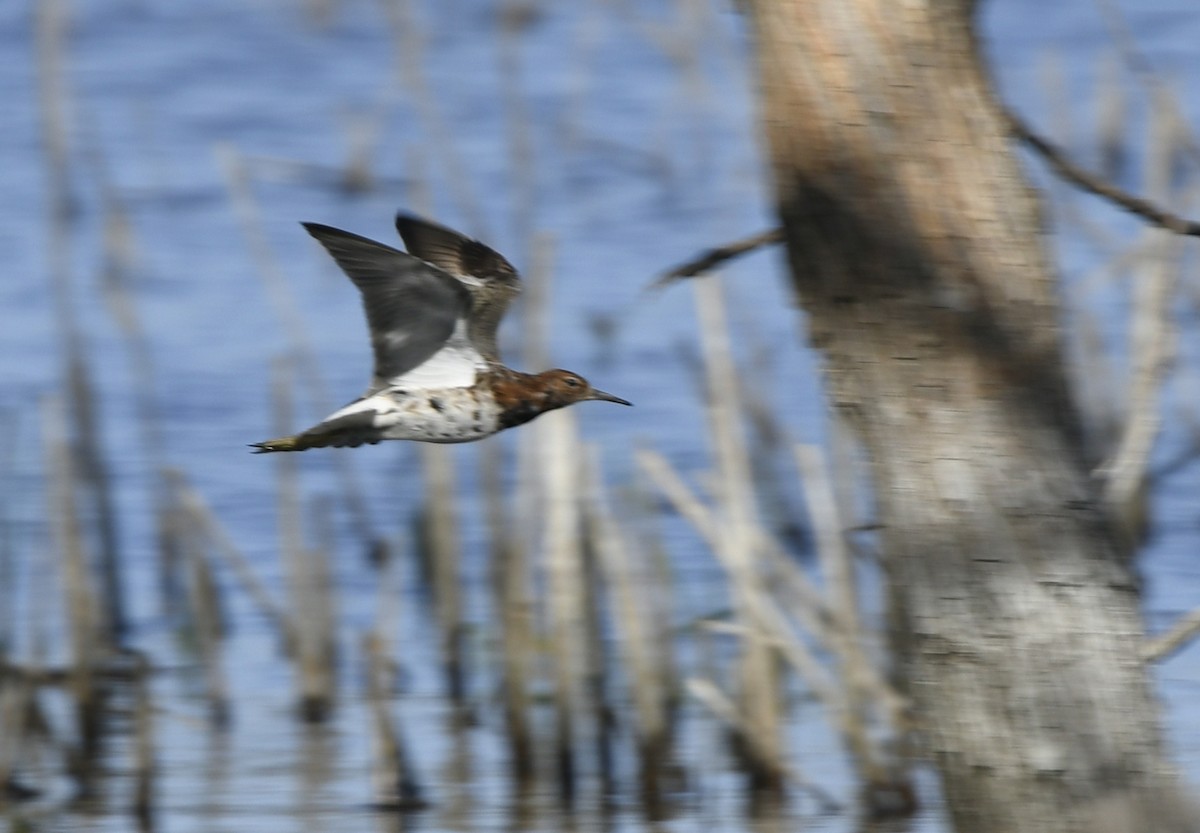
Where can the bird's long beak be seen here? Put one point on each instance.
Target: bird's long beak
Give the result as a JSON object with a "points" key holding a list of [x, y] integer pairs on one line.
{"points": [[608, 397]]}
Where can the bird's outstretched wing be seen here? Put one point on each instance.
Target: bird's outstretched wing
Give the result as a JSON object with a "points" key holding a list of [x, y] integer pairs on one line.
{"points": [[412, 306], [491, 279]]}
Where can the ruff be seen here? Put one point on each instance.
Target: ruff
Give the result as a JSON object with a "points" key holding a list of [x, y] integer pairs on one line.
{"points": [[433, 313]]}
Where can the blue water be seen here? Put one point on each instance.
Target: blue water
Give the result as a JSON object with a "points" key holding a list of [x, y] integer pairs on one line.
{"points": [[638, 161]]}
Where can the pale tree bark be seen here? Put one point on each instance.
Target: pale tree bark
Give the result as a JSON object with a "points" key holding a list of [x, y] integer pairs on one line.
{"points": [[914, 246]]}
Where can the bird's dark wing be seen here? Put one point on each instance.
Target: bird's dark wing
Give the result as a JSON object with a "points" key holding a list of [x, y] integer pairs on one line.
{"points": [[411, 305], [492, 280]]}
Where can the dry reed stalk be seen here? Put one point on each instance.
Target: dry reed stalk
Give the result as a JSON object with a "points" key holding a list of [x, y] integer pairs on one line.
{"points": [[1093, 375], [120, 260], [668, 481], [660, 593], [774, 630], [535, 320], [724, 709], [534, 349], [1152, 337], [287, 494], [767, 441], [320, 13], [546, 508], [458, 806], [314, 768], [682, 41], [510, 588], [420, 194], [1062, 130], [386, 620], [892, 702], [1052, 82], [440, 526], [314, 677], [120, 264], [50, 23], [770, 624], [772, 620], [532, 492], [1112, 118], [523, 172], [79, 595], [207, 626], [54, 101], [737, 536], [805, 603], [579, 77], [409, 48], [351, 177], [1092, 382], [145, 766], [362, 140], [364, 134], [324, 589], [171, 523], [1113, 269], [812, 611], [9, 440], [557, 439], [393, 779], [849, 476], [197, 511], [635, 632], [841, 580], [92, 470], [238, 184], [596, 661], [319, 605], [16, 694], [36, 726]]}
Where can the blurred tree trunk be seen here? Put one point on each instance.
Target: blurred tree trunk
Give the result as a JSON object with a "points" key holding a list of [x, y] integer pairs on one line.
{"points": [[914, 246]]}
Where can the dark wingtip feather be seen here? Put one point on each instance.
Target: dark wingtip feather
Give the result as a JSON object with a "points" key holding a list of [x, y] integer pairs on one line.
{"points": [[316, 229], [330, 236], [407, 220], [453, 251]]}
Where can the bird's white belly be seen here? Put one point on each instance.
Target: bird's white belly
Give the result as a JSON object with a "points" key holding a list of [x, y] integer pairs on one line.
{"points": [[453, 366], [453, 415]]}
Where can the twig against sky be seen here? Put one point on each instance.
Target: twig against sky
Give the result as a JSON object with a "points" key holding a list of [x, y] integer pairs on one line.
{"points": [[1058, 161]]}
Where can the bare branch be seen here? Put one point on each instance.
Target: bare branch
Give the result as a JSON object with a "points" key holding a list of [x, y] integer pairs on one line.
{"points": [[712, 258], [1162, 646], [1080, 177], [1097, 185]]}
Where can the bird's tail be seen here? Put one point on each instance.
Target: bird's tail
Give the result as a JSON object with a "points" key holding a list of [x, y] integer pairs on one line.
{"points": [[299, 442], [348, 431]]}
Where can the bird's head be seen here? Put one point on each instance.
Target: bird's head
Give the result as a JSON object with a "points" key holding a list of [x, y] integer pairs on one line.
{"points": [[562, 387]]}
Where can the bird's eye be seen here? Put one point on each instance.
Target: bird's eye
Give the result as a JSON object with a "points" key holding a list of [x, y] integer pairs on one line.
{"points": [[572, 382]]}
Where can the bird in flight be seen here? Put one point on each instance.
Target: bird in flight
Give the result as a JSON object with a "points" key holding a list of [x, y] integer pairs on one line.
{"points": [[433, 313]]}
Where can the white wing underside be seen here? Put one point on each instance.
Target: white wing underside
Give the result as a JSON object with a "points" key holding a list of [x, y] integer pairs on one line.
{"points": [[454, 366]]}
